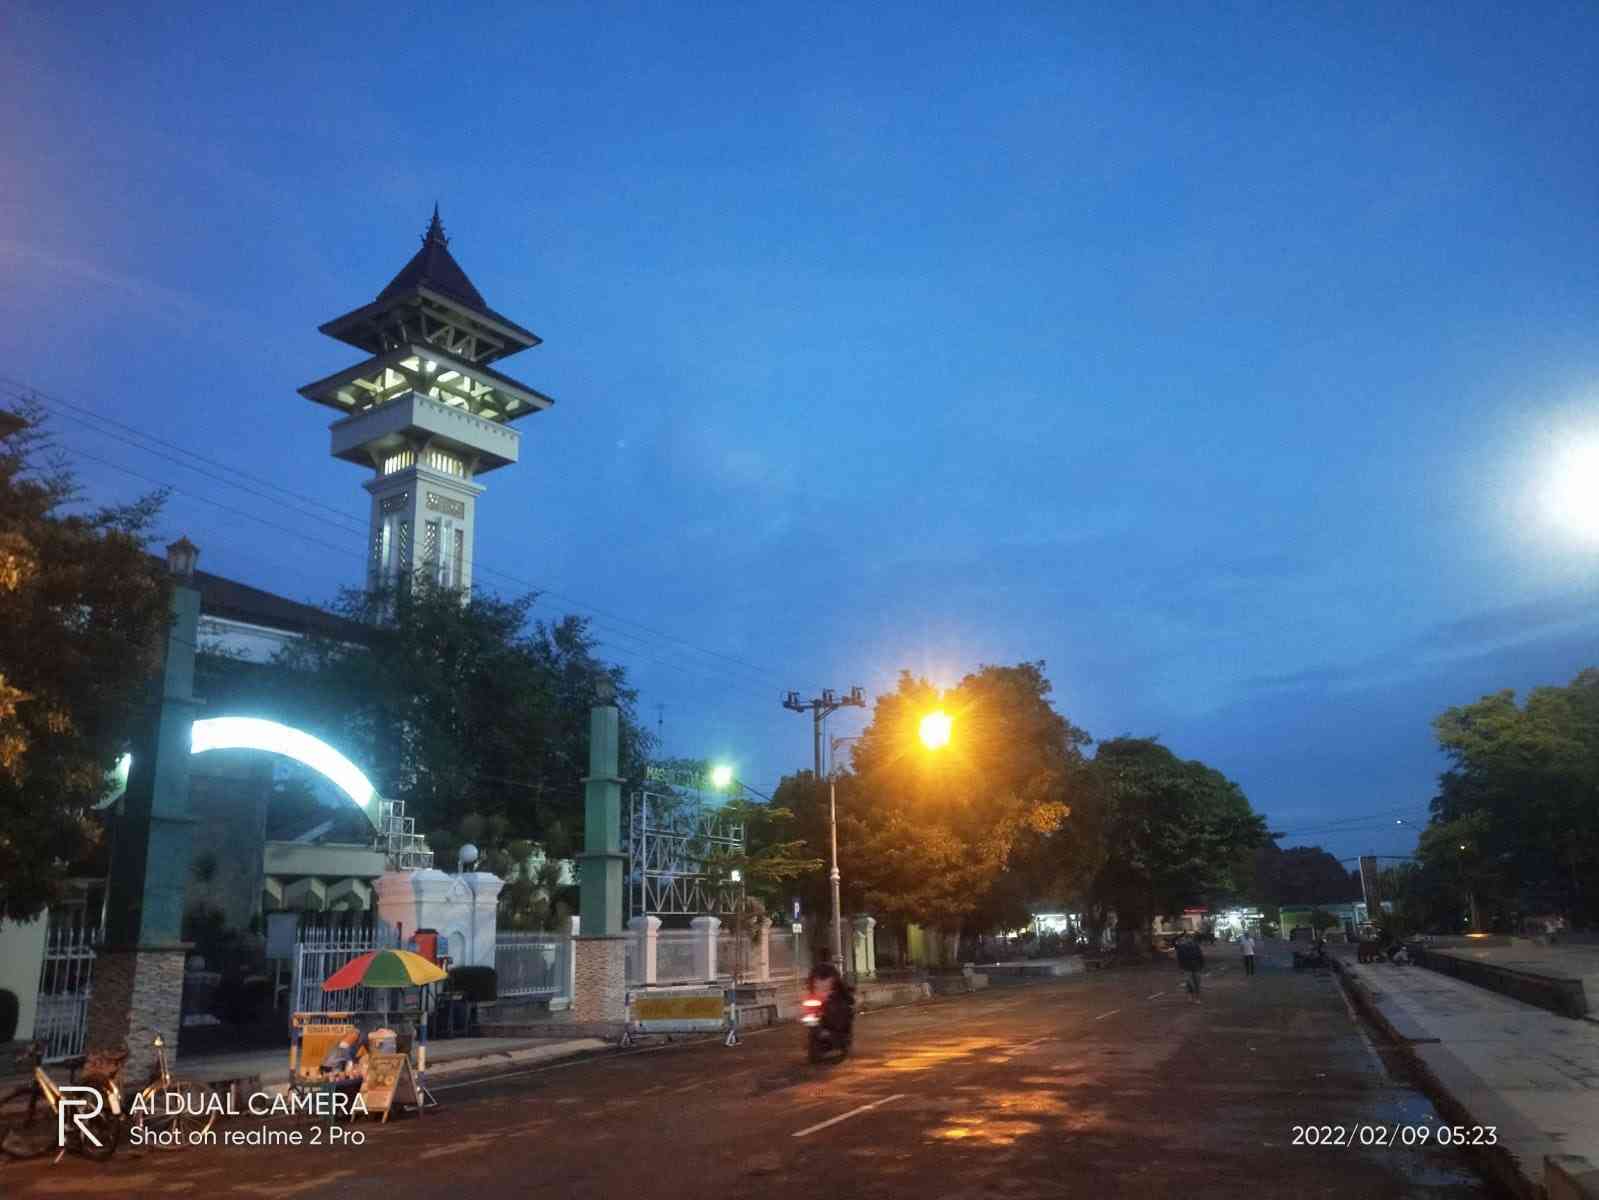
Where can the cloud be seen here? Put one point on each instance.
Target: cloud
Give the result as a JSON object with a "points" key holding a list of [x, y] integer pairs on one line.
{"points": [[166, 304], [1473, 637]]}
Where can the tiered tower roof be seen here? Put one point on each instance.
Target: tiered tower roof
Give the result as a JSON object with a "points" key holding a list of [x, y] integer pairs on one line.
{"points": [[430, 332]]}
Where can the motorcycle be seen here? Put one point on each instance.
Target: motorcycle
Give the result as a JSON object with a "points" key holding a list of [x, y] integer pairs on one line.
{"points": [[829, 1022]]}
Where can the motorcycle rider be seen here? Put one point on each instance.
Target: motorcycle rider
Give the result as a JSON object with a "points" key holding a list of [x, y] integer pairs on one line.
{"points": [[827, 982]]}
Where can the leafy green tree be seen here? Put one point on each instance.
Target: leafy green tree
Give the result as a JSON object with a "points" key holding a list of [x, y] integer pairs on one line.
{"points": [[468, 706], [1171, 832], [928, 837], [1301, 875], [82, 610], [1522, 797]]}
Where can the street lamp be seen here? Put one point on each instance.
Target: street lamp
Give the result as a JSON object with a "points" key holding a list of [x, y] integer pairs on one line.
{"points": [[833, 743], [721, 776], [935, 730]]}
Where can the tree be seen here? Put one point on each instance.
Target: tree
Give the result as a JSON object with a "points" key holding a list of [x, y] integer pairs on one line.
{"points": [[470, 708], [82, 610], [1170, 832], [928, 837], [1516, 816], [1300, 876]]}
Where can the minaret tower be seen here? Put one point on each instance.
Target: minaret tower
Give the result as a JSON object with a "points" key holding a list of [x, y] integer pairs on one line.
{"points": [[426, 412]]}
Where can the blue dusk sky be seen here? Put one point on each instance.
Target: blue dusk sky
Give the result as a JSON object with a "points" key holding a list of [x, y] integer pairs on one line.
{"points": [[1241, 362]]}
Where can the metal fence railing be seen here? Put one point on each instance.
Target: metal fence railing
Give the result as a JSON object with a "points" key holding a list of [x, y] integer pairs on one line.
{"points": [[61, 1017], [323, 949], [675, 956], [789, 959], [533, 964]]}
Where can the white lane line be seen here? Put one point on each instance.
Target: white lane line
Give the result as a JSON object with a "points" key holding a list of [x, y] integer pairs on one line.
{"points": [[854, 1112], [690, 1087], [1111, 1013], [1156, 996], [1034, 1042]]}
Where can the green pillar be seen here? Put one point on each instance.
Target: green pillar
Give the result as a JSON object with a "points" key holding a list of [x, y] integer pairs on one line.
{"points": [[151, 851], [138, 974], [600, 883]]}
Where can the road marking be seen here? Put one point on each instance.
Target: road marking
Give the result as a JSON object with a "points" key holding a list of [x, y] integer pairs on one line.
{"points": [[1156, 996], [854, 1112], [1111, 1013], [1034, 1042]]}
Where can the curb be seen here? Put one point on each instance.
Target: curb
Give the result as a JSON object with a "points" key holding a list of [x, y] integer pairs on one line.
{"points": [[1570, 1177], [454, 1066], [1430, 1059]]}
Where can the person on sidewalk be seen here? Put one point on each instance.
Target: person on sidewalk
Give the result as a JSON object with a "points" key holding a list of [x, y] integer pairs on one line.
{"points": [[1249, 953], [1190, 961]]}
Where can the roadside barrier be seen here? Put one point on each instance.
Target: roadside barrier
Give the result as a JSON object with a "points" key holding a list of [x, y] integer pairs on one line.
{"points": [[681, 1010]]}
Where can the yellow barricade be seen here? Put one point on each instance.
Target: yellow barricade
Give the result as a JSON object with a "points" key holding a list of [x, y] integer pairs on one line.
{"points": [[681, 1010]]}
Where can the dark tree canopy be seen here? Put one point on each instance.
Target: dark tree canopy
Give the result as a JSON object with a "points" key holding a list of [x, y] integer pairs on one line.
{"points": [[1515, 821], [1303, 875], [467, 708], [82, 610], [1166, 833]]}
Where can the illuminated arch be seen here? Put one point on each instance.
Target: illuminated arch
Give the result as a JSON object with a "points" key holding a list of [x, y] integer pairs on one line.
{"points": [[253, 733]]}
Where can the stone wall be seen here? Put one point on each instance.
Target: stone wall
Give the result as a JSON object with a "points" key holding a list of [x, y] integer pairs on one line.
{"points": [[137, 994], [599, 990], [1564, 996]]}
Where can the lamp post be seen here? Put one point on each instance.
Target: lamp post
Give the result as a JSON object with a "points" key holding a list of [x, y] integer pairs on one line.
{"points": [[833, 743]]}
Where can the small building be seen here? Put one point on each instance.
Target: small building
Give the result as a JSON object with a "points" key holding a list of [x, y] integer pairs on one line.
{"points": [[1298, 921]]}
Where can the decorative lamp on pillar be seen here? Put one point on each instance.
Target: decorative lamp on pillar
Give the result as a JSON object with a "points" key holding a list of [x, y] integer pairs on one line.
{"points": [[182, 555], [467, 856]]}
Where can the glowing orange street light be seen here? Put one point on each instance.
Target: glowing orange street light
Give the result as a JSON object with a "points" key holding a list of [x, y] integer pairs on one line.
{"points": [[935, 729]]}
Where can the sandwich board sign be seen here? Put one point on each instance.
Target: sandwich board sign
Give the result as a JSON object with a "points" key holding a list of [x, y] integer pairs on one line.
{"points": [[389, 1082]]}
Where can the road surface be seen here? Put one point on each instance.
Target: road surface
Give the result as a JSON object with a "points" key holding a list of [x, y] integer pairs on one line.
{"points": [[1106, 1085]]}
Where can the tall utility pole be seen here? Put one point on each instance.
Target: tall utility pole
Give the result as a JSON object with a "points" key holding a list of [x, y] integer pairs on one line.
{"points": [[820, 708]]}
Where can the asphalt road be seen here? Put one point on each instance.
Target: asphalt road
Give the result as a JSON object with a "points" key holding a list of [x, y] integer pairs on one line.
{"points": [[1102, 1086]]}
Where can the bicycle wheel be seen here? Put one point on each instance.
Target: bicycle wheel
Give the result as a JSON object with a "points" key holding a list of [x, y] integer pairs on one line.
{"points": [[176, 1114], [27, 1124], [104, 1129]]}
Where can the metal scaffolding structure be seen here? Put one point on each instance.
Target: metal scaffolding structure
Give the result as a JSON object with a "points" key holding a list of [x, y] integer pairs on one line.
{"points": [[407, 850], [669, 843]]}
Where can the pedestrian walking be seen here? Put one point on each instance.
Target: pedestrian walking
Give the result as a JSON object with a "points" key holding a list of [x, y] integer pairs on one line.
{"points": [[1249, 953], [1190, 961]]}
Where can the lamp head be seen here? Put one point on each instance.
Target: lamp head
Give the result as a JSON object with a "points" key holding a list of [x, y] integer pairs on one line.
{"points": [[181, 558]]}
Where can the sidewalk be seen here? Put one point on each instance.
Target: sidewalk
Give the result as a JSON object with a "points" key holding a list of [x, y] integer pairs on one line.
{"points": [[268, 1070], [1496, 1061]]}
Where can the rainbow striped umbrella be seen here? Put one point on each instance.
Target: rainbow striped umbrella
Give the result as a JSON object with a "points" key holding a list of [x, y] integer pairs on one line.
{"points": [[384, 969]]}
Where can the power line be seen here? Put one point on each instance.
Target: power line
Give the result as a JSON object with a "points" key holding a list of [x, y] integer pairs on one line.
{"points": [[640, 650], [637, 653], [351, 523], [1355, 824]]}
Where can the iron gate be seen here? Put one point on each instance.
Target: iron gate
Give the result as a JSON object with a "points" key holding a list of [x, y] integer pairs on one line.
{"points": [[61, 1018]]}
